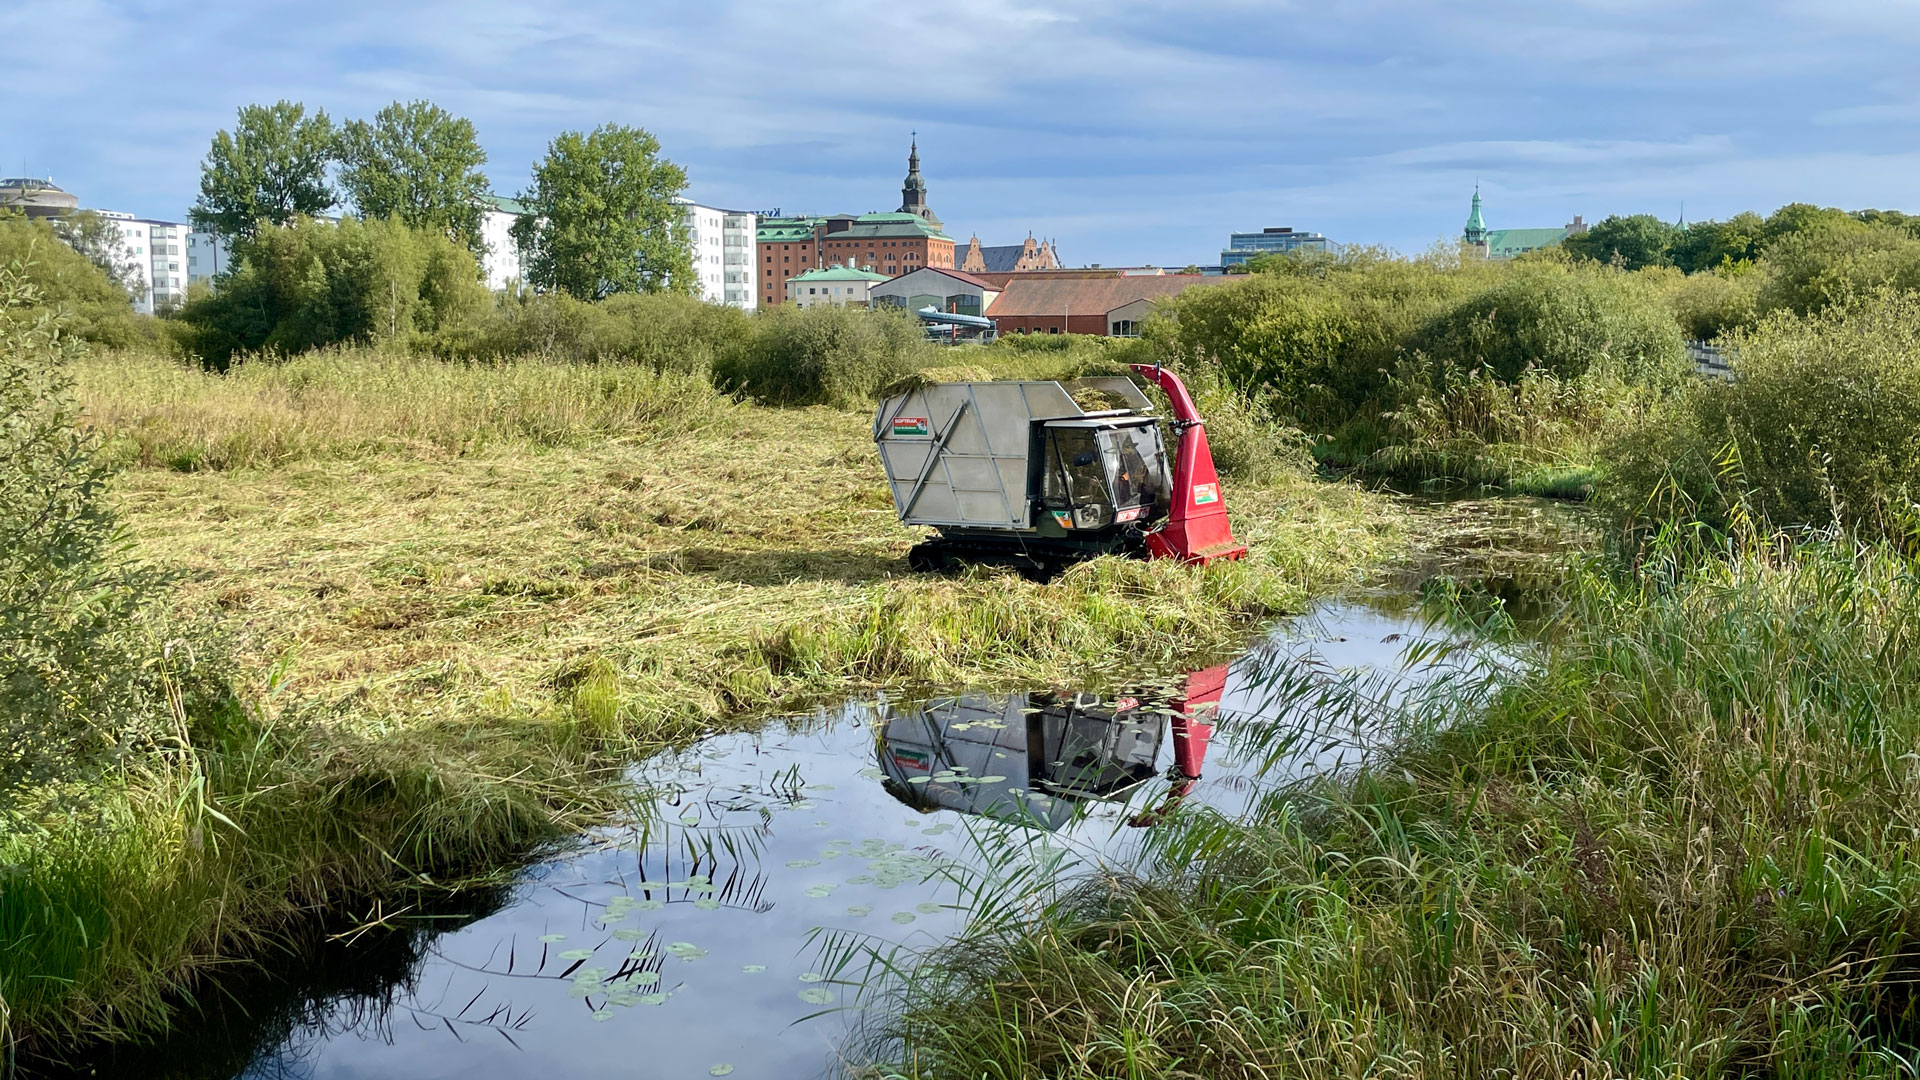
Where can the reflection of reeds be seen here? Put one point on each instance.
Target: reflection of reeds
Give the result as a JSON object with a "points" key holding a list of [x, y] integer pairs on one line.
{"points": [[1678, 843]]}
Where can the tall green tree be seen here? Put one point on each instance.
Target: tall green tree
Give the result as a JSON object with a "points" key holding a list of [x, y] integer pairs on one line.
{"points": [[419, 163], [103, 244], [271, 168], [1708, 245], [1637, 241], [601, 217]]}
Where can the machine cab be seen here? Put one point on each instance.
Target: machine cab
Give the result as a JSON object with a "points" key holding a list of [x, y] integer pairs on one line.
{"points": [[1098, 473]]}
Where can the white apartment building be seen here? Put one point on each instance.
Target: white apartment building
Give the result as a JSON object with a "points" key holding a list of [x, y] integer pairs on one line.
{"points": [[722, 242], [159, 252], [503, 267], [208, 256]]}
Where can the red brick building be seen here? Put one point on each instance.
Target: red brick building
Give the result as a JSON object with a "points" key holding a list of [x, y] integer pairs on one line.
{"points": [[972, 258], [906, 240]]}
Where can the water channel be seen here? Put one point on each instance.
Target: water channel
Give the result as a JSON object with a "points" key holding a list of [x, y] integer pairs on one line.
{"points": [[687, 942]]}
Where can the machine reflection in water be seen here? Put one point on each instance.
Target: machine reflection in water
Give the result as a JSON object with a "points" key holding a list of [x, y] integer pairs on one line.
{"points": [[1032, 759]]}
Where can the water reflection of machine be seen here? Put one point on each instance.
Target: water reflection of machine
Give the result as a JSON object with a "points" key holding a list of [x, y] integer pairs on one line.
{"points": [[1030, 758]]}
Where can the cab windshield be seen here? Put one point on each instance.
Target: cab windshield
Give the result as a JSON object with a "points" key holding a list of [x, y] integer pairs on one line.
{"points": [[1136, 463], [1076, 470]]}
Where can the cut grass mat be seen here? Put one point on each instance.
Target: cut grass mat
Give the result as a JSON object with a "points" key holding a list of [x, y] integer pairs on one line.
{"points": [[465, 596]]}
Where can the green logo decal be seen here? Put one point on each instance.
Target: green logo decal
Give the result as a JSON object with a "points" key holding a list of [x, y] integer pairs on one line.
{"points": [[909, 425]]}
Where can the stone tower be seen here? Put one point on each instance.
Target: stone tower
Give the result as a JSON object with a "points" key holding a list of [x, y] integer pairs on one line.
{"points": [[913, 194]]}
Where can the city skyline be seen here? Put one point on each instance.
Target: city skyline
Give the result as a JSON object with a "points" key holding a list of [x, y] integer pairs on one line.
{"points": [[1130, 132]]}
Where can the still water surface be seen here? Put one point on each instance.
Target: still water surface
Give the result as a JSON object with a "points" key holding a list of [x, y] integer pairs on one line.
{"points": [[686, 944]]}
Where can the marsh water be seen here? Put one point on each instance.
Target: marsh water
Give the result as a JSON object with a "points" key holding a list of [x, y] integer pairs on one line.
{"points": [[721, 929]]}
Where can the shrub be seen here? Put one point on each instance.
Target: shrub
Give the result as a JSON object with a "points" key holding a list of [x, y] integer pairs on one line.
{"points": [[1710, 305], [1831, 262], [314, 284], [822, 355], [1563, 319], [95, 308], [75, 693], [667, 332], [1817, 430]]}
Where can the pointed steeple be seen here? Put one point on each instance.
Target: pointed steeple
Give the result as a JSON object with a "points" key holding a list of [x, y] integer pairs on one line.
{"points": [[913, 193], [1476, 232]]}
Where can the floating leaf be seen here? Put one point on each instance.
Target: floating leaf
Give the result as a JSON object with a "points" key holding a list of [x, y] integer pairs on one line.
{"points": [[859, 911], [753, 969], [707, 903], [722, 1069], [819, 891], [817, 995], [551, 938], [929, 908], [801, 864], [653, 999], [874, 774], [993, 779], [812, 976], [903, 917], [576, 954], [603, 1015], [644, 978], [629, 934], [818, 787], [649, 905], [919, 779], [689, 818]]}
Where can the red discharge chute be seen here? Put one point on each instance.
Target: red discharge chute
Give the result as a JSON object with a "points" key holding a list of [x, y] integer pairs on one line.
{"points": [[1196, 530]]}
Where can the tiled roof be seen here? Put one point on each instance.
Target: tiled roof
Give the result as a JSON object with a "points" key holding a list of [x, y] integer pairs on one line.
{"points": [[1515, 241], [1002, 257], [1026, 297], [907, 225], [504, 204], [772, 230], [957, 275], [839, 273]]}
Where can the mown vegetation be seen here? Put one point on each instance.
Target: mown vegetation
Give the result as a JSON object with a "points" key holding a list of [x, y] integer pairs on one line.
{"points": [[404, 619]]}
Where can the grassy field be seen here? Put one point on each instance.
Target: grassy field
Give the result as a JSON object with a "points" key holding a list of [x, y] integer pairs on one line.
{"points": [[458, 597]]}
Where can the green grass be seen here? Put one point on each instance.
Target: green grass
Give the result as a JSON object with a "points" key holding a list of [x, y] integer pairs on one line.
{"points": [[1682, 846], [460, 597]]}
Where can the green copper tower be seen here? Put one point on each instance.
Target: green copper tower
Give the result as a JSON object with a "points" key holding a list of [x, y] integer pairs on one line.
{"points": [[1476, 233]]}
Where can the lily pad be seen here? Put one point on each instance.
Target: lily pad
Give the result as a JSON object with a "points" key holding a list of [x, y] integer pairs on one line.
{"points": [[653, 999], [722, 1069], [928, 908], [801, 864], [817, 995], [903, 917], [860, 911], [602, 1015], [551, 938], [707, 903], [753, 969], [576, 954]]}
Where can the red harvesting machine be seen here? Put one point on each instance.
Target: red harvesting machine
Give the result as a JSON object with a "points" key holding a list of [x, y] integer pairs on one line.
{"points": [[1020, 474]]}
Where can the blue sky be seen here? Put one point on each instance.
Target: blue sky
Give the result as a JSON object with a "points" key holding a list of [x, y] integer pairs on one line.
{"points": [[1132, 131]]}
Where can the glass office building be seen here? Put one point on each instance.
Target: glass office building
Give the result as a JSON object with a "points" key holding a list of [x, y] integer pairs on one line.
{"points": [[1243, 246]]}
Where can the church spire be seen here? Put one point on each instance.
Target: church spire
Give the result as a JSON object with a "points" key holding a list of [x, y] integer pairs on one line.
{"points": [[913, 193]]}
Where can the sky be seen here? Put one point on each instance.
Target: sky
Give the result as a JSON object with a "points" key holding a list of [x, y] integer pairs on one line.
{"points": [[1130, 132]]}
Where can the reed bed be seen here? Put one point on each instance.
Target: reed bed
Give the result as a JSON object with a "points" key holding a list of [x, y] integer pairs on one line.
{"points": [[1683, 846]]}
